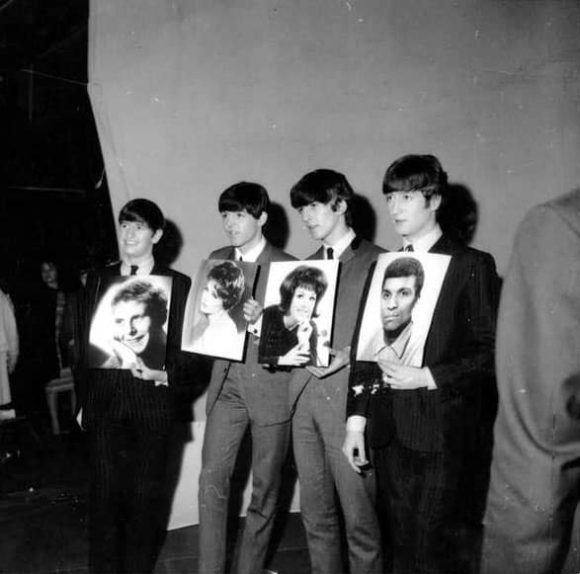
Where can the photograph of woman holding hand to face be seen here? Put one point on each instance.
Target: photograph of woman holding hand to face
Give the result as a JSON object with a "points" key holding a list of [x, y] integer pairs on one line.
{"points": [[289, 333]]}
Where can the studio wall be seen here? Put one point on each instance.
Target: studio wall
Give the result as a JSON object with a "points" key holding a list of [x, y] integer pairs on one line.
{"points": [[193, 95], [190, 96]]}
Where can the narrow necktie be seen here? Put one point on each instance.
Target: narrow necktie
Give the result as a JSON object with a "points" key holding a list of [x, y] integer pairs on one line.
{"points": [[134, 269], [408, 247], [329, 253]]}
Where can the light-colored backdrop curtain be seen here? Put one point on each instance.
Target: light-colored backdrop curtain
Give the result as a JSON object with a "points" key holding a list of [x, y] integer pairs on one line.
{"points": [[190, 96]]}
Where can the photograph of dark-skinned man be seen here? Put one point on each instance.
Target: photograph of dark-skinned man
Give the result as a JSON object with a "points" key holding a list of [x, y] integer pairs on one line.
{"points": [[402, 284]]}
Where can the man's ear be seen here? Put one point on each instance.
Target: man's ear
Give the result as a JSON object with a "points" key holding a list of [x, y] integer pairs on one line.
{"points": [[157, 236], [340, 206], [263, 218], [435, 202]]}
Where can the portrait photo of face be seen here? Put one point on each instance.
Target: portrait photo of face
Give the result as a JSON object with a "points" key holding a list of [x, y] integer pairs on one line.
{"points": [[399, 307], [402, 284], [130, 321], [214, 324], [297, 318]]}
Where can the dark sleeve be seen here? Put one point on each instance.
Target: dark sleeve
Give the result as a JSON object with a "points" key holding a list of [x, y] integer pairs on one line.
{"points": [[85, 307], [363, 382], [180, 366], [275, 339], [313, 344], [364, 376], [472, 357]]}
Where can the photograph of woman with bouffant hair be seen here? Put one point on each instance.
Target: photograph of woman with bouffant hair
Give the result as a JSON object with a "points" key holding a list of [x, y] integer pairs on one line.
{"points": [[214, 323]]}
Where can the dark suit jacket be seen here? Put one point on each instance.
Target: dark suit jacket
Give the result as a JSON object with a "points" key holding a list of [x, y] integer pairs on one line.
{"points": [[267, 395], [459, 352], [116, 392], [355, 262]]}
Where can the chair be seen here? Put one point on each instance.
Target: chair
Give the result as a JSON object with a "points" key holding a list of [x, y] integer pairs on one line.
{"points": [[55, 387]]}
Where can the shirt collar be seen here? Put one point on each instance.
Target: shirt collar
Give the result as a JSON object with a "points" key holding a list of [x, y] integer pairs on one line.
{"points": [[252, 255], [423, 244], [399, 345], [341, 245], [144, 268]]}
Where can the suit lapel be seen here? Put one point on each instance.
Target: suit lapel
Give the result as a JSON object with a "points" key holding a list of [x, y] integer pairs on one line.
{"points": [[444, 246], [266, 256], [159, 269], [349, 252], [318, 254], [230, 254]]}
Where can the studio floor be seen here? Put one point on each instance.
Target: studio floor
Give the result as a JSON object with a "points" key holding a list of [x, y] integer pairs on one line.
{"points": [[43, 513]]}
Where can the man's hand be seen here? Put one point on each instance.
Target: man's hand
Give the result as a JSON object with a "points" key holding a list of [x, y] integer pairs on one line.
{"points": [[340, 359], [141, 371], [126, 356], [252, 310], [295, 357], [11, 360], [354, 449], [403, 377]]}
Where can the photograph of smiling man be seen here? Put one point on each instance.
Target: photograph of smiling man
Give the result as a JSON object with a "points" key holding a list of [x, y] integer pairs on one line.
{"points": [[129, 324], [297, 320], [399, 307]]}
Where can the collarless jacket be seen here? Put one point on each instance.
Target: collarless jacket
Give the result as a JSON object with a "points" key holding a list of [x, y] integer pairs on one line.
{"points": [[265, 391], [355, 263]]}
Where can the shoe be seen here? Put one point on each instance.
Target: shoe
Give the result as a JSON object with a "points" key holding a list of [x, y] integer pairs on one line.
{"points": [[7, 414]]}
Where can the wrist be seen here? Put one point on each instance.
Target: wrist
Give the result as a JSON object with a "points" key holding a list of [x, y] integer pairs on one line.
{"points": [[161, 378], [356, 423]]}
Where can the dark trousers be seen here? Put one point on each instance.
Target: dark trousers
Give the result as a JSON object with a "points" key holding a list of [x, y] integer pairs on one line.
{"points": [[421, 496], [127, 500]]}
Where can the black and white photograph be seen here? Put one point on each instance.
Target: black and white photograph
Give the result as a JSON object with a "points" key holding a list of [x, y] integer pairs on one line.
{"points": [[214, 322], [130, 322], [369, 212], [399, 307], [298, 314]]}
